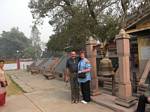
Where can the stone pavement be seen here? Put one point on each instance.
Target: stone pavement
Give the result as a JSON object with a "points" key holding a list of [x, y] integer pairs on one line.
{"points": [[44, 96], [108, 101]]}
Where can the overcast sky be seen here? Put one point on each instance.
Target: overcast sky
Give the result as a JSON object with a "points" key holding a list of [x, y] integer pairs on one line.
{"points": [[15, 13]]}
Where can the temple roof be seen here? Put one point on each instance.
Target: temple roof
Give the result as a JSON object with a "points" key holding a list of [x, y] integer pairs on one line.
{"points": [[137, 17], [139, 31]]}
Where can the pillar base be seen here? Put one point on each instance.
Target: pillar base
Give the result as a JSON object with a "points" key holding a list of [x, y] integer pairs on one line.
{"points": [[126, 102], [94, 87], [95, 93]]}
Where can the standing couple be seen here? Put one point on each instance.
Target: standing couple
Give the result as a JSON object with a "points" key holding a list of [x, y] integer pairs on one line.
{"points": [[79, 73]]}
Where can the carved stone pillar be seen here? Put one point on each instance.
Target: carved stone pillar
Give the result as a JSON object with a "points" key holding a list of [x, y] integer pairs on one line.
{"points": [[91, 55], [123, 50]]}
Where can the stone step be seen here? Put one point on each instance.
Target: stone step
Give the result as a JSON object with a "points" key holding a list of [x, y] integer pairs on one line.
{"points": [[105, 79], [142, 86], [107, 92], [141, 89], [109, 87], [108, 82]]}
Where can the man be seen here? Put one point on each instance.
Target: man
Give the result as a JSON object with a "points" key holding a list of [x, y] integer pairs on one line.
{"points": [[143, 100], [71, 73], [3, 84]]}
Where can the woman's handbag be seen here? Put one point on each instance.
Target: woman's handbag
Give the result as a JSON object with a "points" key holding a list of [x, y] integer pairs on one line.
{"points": [[81, 75]]}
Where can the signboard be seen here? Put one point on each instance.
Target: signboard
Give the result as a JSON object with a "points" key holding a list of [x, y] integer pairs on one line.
{"points": [[145, 53]]}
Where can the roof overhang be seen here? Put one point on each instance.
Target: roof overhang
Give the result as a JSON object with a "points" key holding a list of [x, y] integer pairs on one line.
{"points": [[138, 19], [139, 31]]}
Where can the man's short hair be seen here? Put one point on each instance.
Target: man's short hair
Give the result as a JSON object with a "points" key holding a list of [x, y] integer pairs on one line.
{"points": [[73, 51], [2, 61]]}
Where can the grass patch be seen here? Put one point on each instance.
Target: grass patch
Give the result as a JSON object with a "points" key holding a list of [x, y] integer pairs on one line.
{"points": [[13, 88]]}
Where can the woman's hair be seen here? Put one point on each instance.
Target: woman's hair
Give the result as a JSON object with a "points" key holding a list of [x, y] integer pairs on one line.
{"points": [[83, 52], [2, 61]]}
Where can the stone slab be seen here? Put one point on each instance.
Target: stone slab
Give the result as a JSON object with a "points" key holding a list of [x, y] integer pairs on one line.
{"points": [[109, 102]]}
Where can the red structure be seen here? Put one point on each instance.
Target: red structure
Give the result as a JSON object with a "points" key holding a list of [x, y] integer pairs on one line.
{"points": [[18, 63]]}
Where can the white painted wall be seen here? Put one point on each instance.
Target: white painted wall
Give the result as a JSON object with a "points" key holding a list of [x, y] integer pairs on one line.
{"points": [[13, 66], [23, 65]]}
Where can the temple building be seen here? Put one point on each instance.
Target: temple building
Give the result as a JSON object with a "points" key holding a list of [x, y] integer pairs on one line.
{"points": [[138, 27]]}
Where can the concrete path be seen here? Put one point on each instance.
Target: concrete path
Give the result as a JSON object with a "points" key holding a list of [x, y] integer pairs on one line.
{"points": [[44, 96]]}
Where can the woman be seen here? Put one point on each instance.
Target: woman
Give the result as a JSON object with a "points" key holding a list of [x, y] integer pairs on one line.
{"points": [[3, 84], [84, 68]]}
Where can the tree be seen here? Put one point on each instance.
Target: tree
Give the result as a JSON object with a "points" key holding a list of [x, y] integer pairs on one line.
{"points": [[74, 19], [29, 52], [79, 19], [36, 42], [129, 7], [11, 42]]}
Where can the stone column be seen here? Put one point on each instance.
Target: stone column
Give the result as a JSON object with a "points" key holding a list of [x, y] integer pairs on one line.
{"points": [[91, 55], [123, 50], [18, 63]]}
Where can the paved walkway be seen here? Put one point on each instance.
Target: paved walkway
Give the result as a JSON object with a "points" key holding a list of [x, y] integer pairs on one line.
{"points": [[44, 96]]}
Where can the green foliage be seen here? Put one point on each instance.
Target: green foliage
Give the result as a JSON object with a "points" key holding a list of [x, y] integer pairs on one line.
{"points": [[29, 52], [11, 42], [15, 44], [36, 43], [75, 20]]}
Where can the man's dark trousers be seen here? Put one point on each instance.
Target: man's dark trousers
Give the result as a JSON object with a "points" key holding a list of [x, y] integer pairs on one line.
{"points": [[142, 103], [74, 87], [85, 88]]}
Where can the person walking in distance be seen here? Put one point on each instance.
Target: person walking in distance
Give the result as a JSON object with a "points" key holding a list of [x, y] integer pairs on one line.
{"points": [[71, 74]]}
